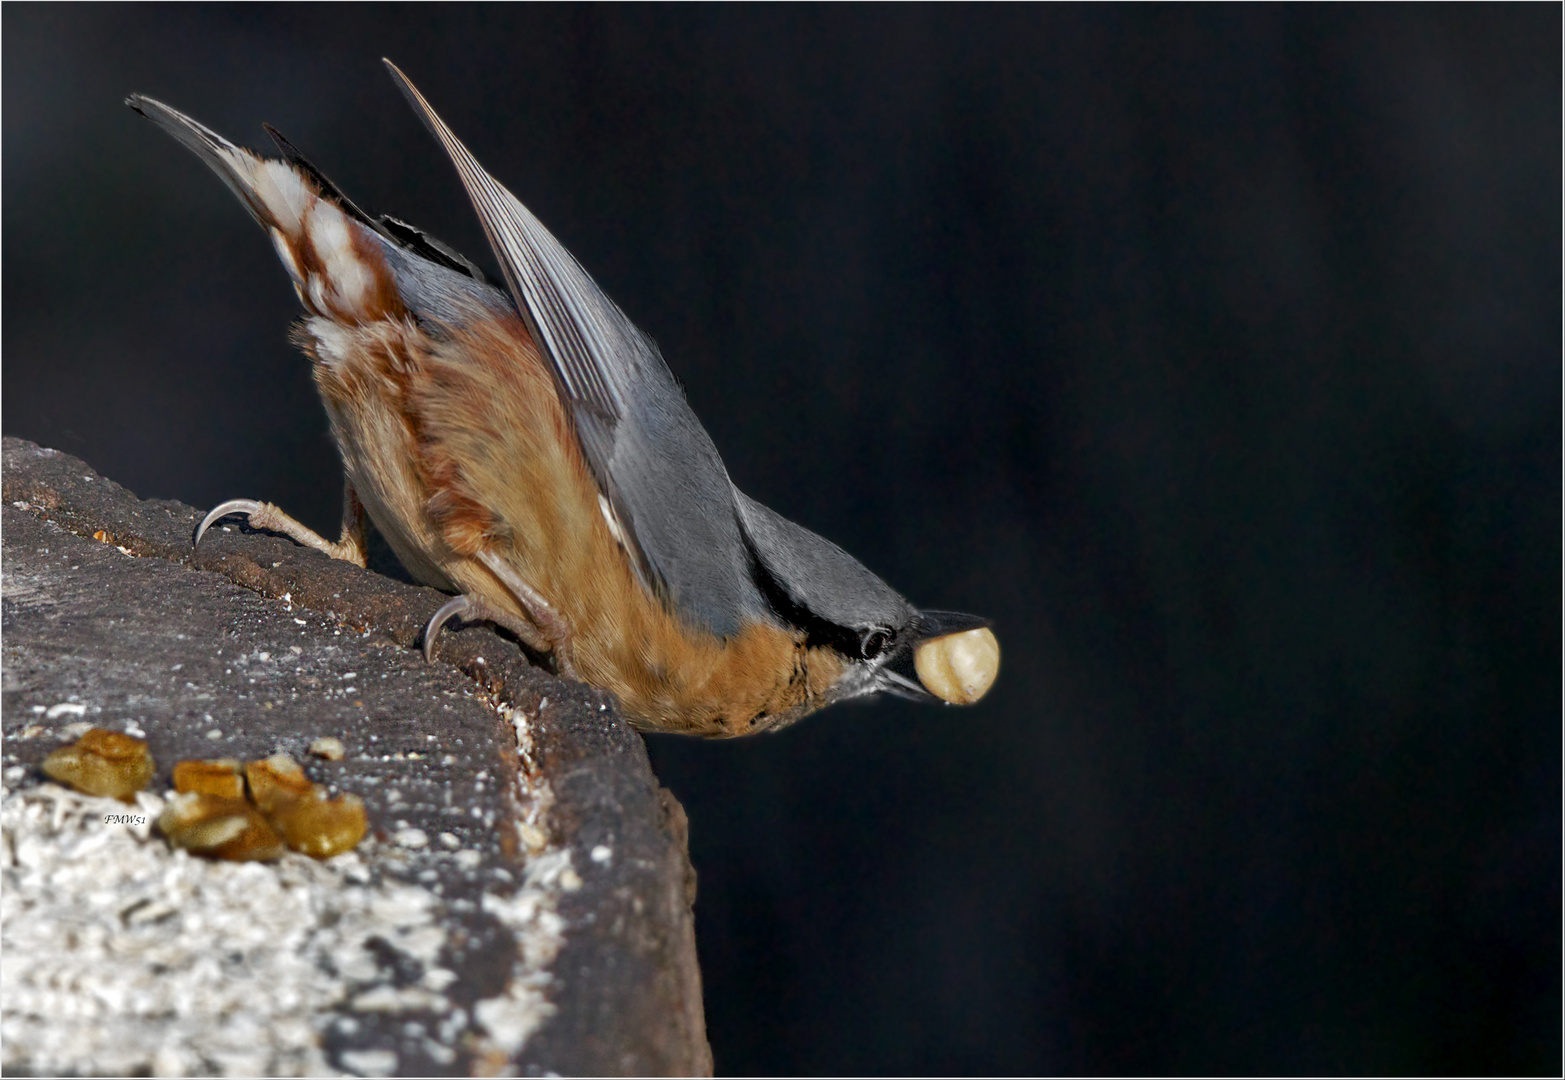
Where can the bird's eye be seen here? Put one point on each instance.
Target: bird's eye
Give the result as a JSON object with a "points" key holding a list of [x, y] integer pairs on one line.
{"points": [[872, 642]]}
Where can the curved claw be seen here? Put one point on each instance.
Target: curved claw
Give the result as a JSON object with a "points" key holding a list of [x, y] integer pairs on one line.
{"points": [[457, 605], [477, 609], [222, 510], [553, 628]]}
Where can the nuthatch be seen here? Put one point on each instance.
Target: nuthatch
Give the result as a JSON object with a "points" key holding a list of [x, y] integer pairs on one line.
{"points": [[530, 451]]}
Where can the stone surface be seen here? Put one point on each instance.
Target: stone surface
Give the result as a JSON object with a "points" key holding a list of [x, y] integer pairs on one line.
{"points": [[523, 900]]}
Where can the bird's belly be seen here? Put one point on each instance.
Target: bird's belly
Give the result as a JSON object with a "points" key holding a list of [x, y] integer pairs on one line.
{"points": [[369, 422], [392, 495]]}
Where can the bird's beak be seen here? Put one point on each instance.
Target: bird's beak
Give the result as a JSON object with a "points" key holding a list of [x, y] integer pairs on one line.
{"points": [[888, 680], [936, 624]]}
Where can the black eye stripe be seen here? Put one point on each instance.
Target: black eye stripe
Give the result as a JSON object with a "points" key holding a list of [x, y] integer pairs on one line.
{"points": [[858, 643]]}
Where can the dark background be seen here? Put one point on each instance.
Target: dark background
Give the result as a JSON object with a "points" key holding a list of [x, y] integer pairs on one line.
{"points": [[1215, 353]]}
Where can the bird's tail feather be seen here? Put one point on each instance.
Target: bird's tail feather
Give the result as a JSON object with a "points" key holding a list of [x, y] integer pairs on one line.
{"points": [[330, 250]]}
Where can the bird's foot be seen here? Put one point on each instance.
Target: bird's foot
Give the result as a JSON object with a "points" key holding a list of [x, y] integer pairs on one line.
{"points": [[549, 621], [476, 609], [266, 516], [545, 629]]}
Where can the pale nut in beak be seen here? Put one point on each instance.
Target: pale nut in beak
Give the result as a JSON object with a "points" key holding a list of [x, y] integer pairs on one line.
{"points": [[959, 668]]}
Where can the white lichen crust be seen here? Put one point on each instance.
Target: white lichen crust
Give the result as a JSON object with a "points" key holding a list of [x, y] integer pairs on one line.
{"points": [[121, 955], [509, 1019]]}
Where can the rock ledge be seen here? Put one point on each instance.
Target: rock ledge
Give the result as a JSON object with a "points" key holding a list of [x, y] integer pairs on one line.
{"points": [[521, 905]]}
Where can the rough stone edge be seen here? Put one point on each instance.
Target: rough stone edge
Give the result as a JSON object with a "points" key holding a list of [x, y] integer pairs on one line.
{"points": [[588, 1035]]}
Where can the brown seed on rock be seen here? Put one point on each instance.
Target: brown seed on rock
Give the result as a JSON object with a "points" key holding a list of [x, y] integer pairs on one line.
{"points": [[329, 747], [276, 782], [102, 762], [220, 777], [322, 827], [219, 828]]}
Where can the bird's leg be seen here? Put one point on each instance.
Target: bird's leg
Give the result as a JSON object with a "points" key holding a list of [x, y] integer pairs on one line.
{"points": [[549, 621], [350, 548], [547, 630], [476, 609], [352, 541]]}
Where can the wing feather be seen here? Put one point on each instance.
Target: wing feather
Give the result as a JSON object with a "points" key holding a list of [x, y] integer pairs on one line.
{"points": [[651, 457]]}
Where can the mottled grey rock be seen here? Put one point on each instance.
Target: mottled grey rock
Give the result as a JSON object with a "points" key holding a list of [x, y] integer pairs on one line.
{"points": [[523, 901]]}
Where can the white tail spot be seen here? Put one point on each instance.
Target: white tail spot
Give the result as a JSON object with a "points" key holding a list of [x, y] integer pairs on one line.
{"points": [[330, 234], [318, 294], [283, 192]]}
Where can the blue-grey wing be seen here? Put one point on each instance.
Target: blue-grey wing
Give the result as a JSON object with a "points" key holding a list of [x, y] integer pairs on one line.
{"points": [[652, 459]]}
